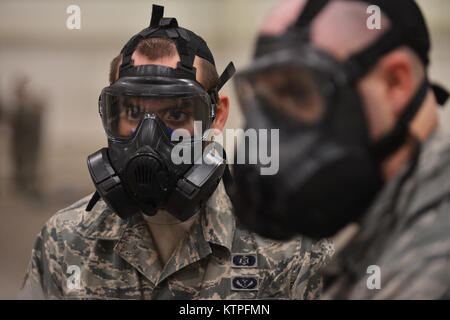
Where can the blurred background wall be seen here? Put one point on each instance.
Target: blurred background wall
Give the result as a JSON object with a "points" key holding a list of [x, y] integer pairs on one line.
{"points": [[67, 70]]}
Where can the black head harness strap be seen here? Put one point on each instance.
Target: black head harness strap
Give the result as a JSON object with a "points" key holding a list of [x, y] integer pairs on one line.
{"points": [[157, 14], [226, 75], [362, 62], [188, 46], [309, 12], [161, 27], [389, 143], [301, 27]]}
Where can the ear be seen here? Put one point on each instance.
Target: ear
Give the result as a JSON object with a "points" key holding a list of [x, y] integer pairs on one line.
{"points": [[398, 74], [223, 108]]}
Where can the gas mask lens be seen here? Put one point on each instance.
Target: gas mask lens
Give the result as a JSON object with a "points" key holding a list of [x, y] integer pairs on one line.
{"points": [[288, 89], [122, 115]]}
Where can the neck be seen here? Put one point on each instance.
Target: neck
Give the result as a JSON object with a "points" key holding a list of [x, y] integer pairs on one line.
{"points": [[422, 127], [163, 217]]}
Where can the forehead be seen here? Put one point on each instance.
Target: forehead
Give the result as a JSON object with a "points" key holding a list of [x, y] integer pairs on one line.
{"points": [[168, 61]]}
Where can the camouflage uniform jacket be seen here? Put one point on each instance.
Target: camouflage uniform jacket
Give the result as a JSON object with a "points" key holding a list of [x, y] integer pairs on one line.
{"points": [[406, 233], [117, 259]]}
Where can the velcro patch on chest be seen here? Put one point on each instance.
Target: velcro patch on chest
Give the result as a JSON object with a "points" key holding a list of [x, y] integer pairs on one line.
{"points": [[245, 283], [244, 260]]}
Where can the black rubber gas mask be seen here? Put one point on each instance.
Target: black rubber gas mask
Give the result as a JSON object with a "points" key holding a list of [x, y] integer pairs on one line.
{"points": [[329, 170], [156, 120]]}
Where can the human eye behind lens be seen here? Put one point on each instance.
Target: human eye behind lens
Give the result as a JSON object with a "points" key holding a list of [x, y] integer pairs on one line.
{"points": [[133, 112], [178, 116]]}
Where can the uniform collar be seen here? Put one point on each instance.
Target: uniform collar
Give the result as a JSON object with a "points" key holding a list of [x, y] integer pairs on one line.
{"points": [[218, 221], [399, 202], [215, 225], [100, 223], [388, 206]]}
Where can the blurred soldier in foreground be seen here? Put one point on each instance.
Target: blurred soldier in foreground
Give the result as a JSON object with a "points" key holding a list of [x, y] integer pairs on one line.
{"points": [[26, 128], [162, 230], [359, 142]]}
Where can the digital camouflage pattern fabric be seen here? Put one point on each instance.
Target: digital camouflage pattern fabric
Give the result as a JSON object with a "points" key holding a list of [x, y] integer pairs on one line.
{"points": [[117, 259], [405, 233]]}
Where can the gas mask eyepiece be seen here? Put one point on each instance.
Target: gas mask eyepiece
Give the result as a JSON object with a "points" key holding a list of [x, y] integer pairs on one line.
{"points": [[178, 103]]}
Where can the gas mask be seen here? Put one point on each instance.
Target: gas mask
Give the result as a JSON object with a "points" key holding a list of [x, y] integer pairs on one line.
{"points": [[329, 170], [140, 113]]}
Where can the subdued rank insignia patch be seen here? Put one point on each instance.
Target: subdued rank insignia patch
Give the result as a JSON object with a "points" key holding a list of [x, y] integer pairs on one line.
{"points": [[245, 283], [244, 260]]}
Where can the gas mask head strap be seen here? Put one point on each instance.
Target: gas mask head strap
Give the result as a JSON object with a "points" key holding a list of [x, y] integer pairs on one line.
{"points": [[311, 9], [187, 45], [226, 75]]}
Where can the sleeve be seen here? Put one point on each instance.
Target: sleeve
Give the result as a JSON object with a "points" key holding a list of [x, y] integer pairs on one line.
{"points": [[307, 278], [429, 281], [44, 273], [417, 264]]}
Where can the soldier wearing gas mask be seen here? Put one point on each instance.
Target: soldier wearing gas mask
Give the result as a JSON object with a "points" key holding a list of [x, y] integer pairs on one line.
{"points": [[155, 228], [360, 142]]}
